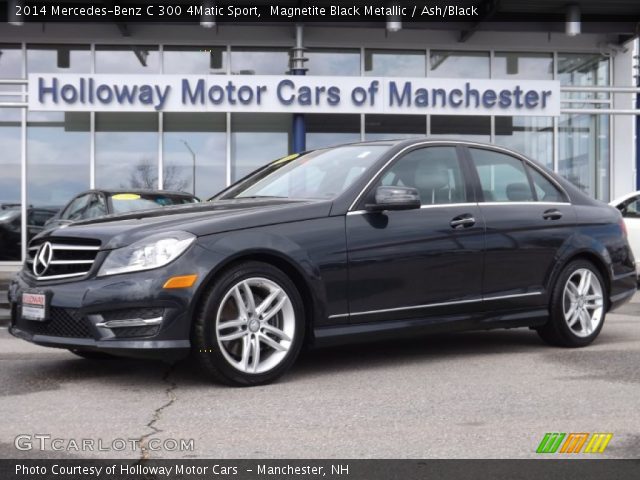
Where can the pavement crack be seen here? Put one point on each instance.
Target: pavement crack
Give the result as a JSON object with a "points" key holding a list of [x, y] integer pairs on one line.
{"points": [[157, 413]]}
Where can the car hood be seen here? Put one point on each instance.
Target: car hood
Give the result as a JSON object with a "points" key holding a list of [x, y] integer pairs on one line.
{"points": [[200, 219]]}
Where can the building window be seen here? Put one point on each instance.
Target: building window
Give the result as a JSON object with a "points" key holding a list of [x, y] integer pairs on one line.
{"points": [[473, 128], [527, 66], [256, 140], [127, 59], [58, 152], [583, 143], [323, 61], [382, 127], [259, 61], [195, 60], [325, 130], [58, 59], [195, 146], [583, 140], [10, 61], [531, 136], [394, 63], [126, 150], [10, 192], [10, 67], [449, 64]]}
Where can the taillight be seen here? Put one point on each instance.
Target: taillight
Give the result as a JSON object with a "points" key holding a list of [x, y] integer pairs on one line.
{"points": [[623, 227]]}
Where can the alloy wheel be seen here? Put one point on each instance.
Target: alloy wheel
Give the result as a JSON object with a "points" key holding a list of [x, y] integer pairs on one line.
{"points": [[583, 302], [255, 325]]}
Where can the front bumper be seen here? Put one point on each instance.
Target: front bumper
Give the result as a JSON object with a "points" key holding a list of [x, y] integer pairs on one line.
{"points": [[128, 315]]}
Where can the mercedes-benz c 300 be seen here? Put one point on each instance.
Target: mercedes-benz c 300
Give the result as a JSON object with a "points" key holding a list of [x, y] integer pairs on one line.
{"points": [[363, 241]]}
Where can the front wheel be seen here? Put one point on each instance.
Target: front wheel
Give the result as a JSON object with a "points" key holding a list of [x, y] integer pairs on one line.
{"points": [[578, 306], [250, 327]]}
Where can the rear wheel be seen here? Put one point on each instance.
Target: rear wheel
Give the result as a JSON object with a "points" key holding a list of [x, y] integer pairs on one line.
{"points": [[578, 306], [250, 327]]}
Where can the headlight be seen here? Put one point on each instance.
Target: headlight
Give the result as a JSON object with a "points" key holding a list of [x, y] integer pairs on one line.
{"points": [[146, 254]]}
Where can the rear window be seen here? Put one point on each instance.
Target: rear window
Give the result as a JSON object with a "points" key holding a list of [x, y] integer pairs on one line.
{"points": [[130, 202]]}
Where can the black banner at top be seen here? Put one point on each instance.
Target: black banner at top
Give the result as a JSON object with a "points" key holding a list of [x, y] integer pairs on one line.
{"points": [[216, 12]]}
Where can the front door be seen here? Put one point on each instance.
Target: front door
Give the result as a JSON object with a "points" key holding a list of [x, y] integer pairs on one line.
{"points": [[421, 262]]}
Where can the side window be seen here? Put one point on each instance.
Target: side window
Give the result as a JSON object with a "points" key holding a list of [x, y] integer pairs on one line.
{"points": [[631, 208], [76, 207], [434, 171], [96, 208], [545, 190], [502, 177], [40, 217]]}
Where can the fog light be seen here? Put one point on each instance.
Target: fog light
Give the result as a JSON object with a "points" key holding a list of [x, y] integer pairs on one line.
{"points": [[183, 281]]}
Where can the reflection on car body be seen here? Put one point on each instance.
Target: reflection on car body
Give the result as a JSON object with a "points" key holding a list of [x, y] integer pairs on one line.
{"points": [[97, 203]]}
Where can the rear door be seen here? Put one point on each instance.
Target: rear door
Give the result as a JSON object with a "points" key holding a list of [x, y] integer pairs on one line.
{"points": [[527, 217], [421, 262]]}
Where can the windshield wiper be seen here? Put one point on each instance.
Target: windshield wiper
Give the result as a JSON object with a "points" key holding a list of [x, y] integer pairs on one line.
{"points": [[259, 196]]}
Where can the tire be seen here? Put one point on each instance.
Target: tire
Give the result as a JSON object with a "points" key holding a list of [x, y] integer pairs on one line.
{"points": [[229, 329], [568, 325], [91, 354]]}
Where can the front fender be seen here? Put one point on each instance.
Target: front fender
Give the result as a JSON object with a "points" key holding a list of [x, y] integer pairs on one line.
{"points": [[231, 247]]}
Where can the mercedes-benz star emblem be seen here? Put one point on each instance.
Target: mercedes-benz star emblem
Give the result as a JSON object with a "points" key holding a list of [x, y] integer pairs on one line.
{"points": [[42, 260]]}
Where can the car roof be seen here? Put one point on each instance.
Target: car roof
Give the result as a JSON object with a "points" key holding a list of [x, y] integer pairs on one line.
{"points": [[417, 140], [115, 191]]}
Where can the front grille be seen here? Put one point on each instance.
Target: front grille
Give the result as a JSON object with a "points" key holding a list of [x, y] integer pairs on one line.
{"points": [[61, 258], [63, 322]]}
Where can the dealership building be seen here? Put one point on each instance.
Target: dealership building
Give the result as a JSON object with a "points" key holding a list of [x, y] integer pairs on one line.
{"points": [[61, 133]]}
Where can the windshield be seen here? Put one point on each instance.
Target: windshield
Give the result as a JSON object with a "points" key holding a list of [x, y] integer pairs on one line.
{"points": [[318, 174], [130, 202]]}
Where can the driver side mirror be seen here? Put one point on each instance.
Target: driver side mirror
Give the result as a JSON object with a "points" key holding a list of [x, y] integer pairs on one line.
{"points": [[394, 198]]}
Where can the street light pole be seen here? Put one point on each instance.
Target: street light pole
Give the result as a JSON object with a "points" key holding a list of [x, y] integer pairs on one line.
{"points": [[193, 155]]}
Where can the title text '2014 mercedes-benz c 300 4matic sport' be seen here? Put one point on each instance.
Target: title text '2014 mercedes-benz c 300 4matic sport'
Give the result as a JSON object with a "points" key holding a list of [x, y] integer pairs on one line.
{"points": [[357, 242]]}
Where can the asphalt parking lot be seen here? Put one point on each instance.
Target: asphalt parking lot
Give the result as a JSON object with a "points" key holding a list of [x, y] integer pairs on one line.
{"points": [[471, 395]]}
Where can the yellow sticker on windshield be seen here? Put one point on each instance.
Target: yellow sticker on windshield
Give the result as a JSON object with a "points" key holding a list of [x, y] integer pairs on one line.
{"points": [[286, 159], [126, 196]]}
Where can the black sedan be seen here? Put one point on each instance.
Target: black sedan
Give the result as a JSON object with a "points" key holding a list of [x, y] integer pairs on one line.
{"points": [[363, 241], [97, 203], [10, 228]]}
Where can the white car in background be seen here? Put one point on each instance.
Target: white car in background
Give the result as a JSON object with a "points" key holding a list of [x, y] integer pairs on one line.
{"points": [[629, 206]]}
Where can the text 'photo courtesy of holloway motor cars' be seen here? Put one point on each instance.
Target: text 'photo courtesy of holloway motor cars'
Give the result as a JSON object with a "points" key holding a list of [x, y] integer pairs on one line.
{"points": [[356, 242]]}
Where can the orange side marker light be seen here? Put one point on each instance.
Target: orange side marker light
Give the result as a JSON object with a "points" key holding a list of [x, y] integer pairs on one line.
{"points": [[183, 281]]}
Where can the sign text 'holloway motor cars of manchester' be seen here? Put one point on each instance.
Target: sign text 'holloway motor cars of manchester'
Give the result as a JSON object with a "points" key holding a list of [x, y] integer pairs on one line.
{"points": [[267, 93]]}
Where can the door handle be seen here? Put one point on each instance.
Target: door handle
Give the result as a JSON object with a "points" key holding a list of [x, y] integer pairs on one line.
{"points": [[552, 214], [463, 221]]}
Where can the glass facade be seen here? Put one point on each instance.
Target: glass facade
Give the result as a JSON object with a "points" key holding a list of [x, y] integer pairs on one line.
{"points": [[11, 67], [195, 151], [126, 150], [67, 152]]}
